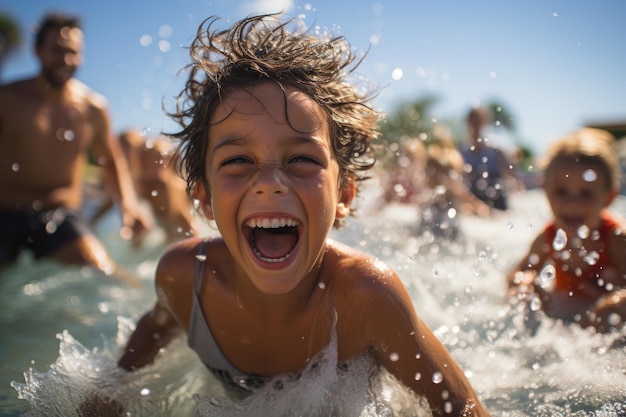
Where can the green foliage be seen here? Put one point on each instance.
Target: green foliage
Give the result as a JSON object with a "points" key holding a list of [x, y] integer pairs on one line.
{"points": [[501, 115], [413, 119], [407, 120], [10, 36]]}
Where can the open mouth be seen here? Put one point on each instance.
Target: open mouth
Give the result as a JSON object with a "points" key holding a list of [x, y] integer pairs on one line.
{"points": [[272, 240]]}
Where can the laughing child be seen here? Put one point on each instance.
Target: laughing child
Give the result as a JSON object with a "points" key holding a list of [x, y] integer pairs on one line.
{"points": [[274, 143]]}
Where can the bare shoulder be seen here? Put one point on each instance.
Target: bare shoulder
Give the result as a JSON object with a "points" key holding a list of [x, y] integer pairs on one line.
{"points": [[177, 268], [16, 90], [358, 269], [82, 90], [368, 295], [96, 102], [361, 281], [178, 260]]}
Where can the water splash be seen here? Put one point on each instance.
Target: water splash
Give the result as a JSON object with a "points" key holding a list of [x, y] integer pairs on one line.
{"points": [[560, 240], [520, 363], [547, 277]]}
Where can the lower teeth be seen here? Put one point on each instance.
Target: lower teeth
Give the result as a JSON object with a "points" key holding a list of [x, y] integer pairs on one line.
{"points": [[274, 260]]}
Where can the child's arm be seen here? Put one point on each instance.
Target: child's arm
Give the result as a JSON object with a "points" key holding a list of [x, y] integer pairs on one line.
{"points": [[170, 315], [380, 314], [522, 276], [608, 313], [418, 359], [155, 330], [610, 310]]}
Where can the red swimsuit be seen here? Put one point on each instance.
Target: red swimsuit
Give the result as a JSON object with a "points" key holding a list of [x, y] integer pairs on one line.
{"points": [[568, 280]]}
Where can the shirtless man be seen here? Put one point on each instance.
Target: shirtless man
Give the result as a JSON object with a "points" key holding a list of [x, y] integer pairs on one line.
{"points": [[49, 125]]}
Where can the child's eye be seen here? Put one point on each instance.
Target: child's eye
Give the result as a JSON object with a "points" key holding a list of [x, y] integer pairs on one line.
{"points": [[305, 159], [235, 160]]}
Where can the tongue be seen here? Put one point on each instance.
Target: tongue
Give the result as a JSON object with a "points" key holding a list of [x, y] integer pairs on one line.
{"points": [[275, 243]]}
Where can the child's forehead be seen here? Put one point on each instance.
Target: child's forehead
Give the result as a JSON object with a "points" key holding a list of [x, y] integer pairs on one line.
{"points": [[282, 104], [577, 168]]}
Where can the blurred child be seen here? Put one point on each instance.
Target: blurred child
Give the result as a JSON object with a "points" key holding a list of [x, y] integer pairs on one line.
{"points": [[274, 143], [576, 267], [153, 171], [404, 182], [447, 196]]}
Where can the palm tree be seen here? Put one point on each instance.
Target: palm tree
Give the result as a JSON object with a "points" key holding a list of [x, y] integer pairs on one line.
{"points": [[502, 117], [10, 37]]}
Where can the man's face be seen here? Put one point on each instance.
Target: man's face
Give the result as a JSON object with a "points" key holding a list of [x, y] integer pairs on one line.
{"points": [[60, 55]]}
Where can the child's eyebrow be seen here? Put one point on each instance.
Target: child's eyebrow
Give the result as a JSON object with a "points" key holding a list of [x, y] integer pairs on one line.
{"points": [[299, 140]]}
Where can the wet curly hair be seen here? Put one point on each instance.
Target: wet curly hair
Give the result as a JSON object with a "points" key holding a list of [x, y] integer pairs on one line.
{"points": [[260, 49]]}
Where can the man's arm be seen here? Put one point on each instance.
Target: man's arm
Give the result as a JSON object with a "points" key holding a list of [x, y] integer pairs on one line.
{"points": [[108, 154]]}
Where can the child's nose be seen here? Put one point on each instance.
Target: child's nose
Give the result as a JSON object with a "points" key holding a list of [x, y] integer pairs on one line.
{"points": [[270, 180]]}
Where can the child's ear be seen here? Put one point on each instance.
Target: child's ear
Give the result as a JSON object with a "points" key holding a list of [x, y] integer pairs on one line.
{"points": [[201, 193], [346, 196]]}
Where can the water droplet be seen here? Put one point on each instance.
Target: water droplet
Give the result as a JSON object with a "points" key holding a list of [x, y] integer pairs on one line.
{"points": [[321, 285], [154, 193], [164, 45], [145, 40], [614, 319], [560, 240], [595, 235], [437, 377], [590, 175], [482, 255], [547, 275], [447, 407], [418, 376], [65, 134], [51, 227], [15, 167], [509, 225], [165, 31], [533, 259], [397, 74], [394, 357], [583, 232], [535, 304], [201, 258], [144, 391], [592, 257]]}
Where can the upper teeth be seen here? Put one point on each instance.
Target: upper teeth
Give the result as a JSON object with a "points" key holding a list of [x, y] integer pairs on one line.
{"points": [[271, 223]]}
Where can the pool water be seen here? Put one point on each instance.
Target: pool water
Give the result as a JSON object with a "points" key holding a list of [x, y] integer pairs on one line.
{"points": [[63, 328]]}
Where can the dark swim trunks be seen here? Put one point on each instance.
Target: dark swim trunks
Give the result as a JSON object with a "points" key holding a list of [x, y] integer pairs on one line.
{"points": [[41, 232]]}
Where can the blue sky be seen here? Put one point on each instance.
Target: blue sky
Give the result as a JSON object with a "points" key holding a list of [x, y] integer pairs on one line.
{"points": [[555, 64]]}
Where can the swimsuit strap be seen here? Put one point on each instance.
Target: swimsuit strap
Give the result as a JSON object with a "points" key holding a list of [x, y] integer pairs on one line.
{"points": [[201, 340], [199, 267]]}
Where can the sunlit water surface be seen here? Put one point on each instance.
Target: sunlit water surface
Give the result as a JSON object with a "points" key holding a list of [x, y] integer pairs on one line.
{"points": [[63, 328]]}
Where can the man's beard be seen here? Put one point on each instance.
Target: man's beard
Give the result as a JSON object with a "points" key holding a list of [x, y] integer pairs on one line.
{"points": [[57, 79]]}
